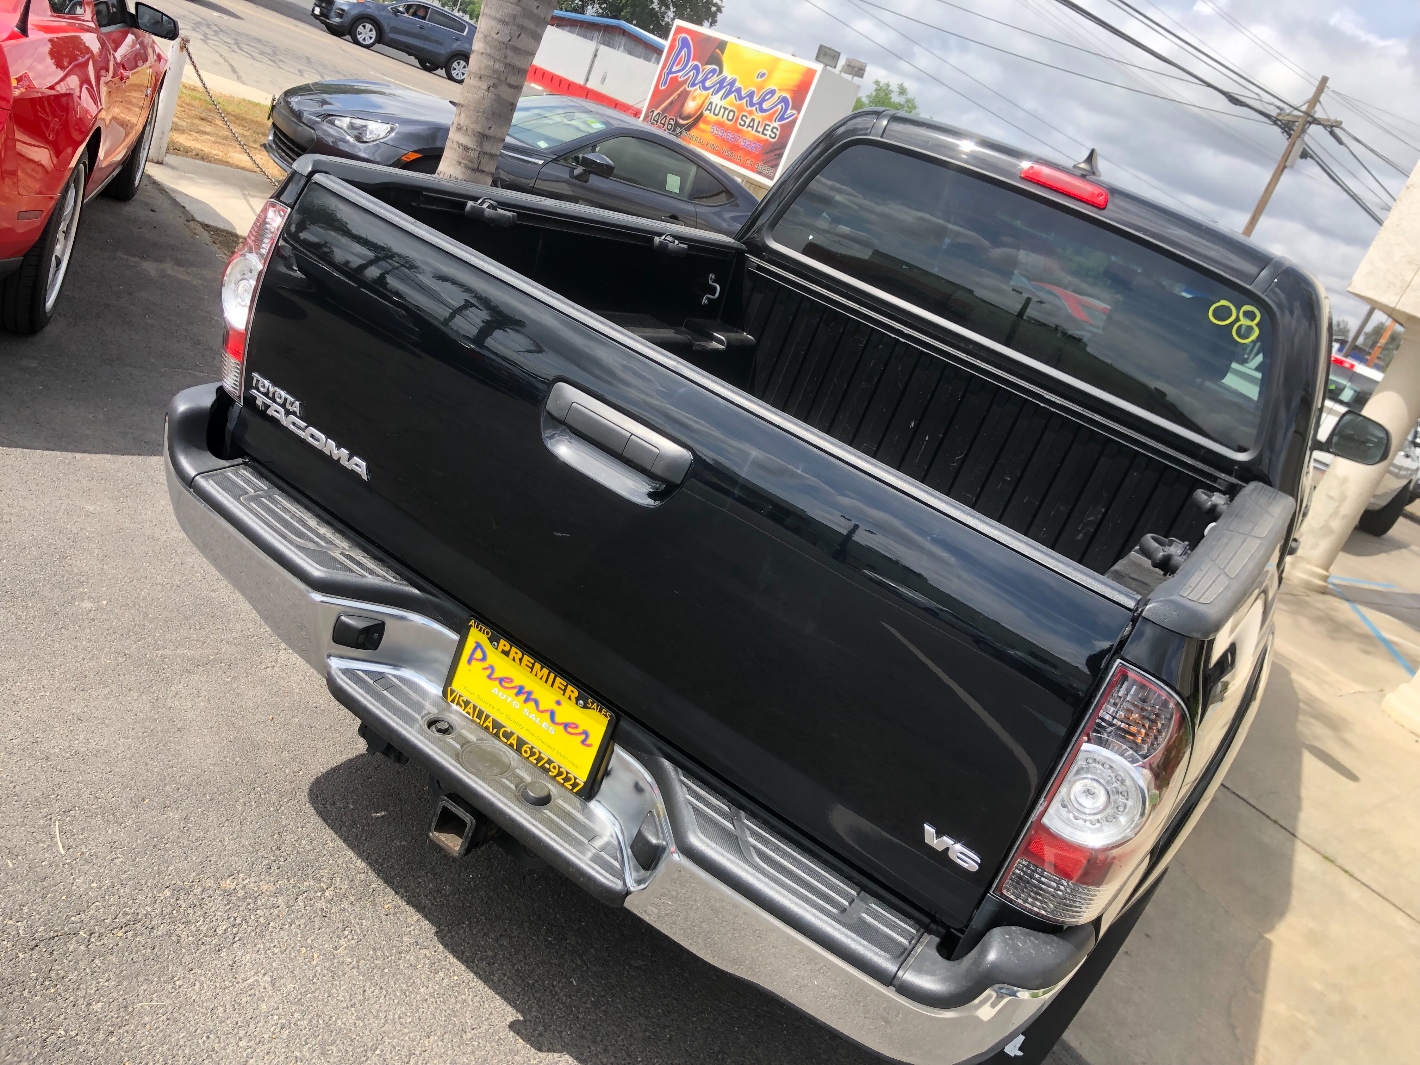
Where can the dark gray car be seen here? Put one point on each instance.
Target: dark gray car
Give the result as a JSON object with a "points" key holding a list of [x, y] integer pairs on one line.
{"points": [[559, 146], [437, 39]]}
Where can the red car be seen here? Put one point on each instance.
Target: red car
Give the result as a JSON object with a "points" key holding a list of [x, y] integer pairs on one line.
{"points": [[78, 88]]}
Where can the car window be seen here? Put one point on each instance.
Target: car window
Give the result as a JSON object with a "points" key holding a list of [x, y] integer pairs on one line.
{"points": [[418, 11], [448, 22], [551, 121], [1347, 385], [708, 191], [110, 13], [1043, 281], [650, 166]]}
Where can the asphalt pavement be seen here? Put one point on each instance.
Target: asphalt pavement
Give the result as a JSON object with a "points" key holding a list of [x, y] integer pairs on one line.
{"points": [[201, 864], [272, 45]]}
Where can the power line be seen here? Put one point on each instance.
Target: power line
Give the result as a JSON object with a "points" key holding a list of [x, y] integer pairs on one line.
{"points": [[1231, 97], [1353, 102], [1326, 169], [1258, 41], [1323, 161], [1046, 11], [1276, 120], [1057, 129], [1055, 40], [1202, 51], [1360, 109], [1393, 165], [1302, 72], [1362, 164], [963, 95], [1049, 14], [1391, 114], [1388, 199], [929, 74], [1063, 70]]}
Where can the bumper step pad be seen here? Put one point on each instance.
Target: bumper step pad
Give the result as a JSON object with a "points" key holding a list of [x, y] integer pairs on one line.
{"points": [[287, 523], [799, 889]]}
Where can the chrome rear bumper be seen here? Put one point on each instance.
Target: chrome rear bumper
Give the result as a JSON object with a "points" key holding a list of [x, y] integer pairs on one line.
{"points": [[655, 839]]}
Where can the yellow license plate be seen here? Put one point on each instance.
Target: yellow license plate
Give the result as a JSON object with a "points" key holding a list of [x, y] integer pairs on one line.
{"points": [[539, 714]]}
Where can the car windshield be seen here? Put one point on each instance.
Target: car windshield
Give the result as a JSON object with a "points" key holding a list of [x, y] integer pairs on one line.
{"points": [[1043, 281], [1348, 385], [550, 121]]}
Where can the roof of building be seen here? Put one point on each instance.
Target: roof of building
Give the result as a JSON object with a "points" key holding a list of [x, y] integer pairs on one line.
{"points": [[635, 31]]}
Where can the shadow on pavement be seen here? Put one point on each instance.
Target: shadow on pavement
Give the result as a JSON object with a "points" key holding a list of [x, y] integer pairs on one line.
{"points": [[138, 320], [1367, 546], [1403, 606], [589, 981], [1271, 756]]}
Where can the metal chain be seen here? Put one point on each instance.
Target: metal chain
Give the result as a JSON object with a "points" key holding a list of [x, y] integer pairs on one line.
{"points": [[186, 47]]}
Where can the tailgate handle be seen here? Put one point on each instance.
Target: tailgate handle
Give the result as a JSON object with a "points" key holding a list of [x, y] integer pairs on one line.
{"points": [[641, 448]]}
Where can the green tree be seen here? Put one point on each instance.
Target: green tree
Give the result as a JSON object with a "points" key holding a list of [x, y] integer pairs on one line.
{"points": [[653, 16], [882, 94]]}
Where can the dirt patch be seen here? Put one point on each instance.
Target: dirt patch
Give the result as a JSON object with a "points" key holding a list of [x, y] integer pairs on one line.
{"points": [[198, 132], [225, 239]]}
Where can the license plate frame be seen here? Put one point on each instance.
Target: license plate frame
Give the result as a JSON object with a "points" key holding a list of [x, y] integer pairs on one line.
{"points": [[506, 702]]}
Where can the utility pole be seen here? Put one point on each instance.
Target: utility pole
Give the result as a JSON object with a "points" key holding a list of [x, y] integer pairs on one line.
{"points": [[1300, 129], [1356, 336]]}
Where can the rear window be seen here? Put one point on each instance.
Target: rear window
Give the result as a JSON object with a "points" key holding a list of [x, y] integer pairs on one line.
{"points": [[1045, 283], [550, 121], [1349, 385]]}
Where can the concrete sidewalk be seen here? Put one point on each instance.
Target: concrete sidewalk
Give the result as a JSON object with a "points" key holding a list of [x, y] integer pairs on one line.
{"points": [[1288, 930], [221, 197]]}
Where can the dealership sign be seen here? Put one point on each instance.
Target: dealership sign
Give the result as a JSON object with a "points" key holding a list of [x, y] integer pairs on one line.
{"points": [[735, 101]]}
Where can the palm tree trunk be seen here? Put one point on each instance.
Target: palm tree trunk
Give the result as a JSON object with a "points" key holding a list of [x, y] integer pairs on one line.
{"points": [[509, 32]]}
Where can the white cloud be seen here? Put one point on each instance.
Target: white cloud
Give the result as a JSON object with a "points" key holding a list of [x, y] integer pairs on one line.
{"points": [[1350, 23]]}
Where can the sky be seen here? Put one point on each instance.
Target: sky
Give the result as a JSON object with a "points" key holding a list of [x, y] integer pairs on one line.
{"points": [[1213, 165]]}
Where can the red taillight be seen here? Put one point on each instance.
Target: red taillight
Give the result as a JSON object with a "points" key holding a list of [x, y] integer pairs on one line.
{"points": [[1070, 184], [1107, 806], [1339, 361], [239, 284]]}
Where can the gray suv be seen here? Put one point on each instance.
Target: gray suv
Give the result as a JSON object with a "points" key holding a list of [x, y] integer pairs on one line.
{"points": [[437, 39]]}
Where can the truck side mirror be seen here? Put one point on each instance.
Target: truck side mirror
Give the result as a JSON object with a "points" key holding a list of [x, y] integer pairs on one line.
{"points": [[593, 163], [1359, 439], [151, 20]]}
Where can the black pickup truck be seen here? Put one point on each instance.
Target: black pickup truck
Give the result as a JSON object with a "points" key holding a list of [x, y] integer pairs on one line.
{"points": [[872, 602]]}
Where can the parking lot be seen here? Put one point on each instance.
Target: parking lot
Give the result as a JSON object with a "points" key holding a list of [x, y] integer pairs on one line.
{"points": [[203, 864], [273, 44]]}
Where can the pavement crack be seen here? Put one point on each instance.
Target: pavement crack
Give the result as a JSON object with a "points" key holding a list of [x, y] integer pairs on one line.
{"points": [[1323, 855]]}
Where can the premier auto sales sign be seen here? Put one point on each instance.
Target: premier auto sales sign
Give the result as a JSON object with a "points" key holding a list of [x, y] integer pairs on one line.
{"points": [[733, 100]]}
